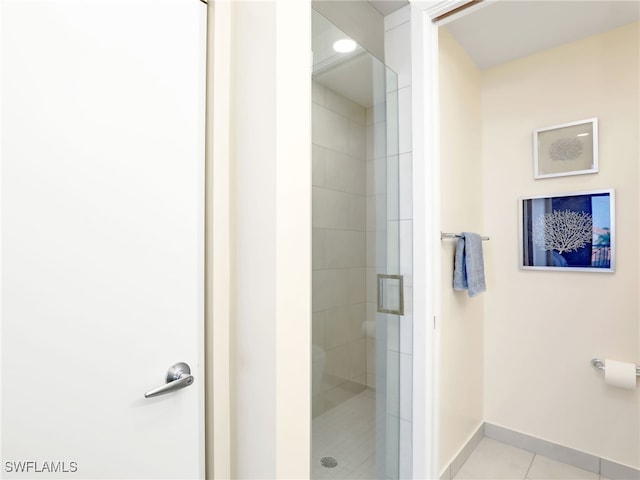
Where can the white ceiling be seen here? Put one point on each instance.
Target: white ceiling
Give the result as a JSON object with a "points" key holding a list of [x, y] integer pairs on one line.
{"points": [[385, 7], [508, 29], [495, 33], [349, 74]]}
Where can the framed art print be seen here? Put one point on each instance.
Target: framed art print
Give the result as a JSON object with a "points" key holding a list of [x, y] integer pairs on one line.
{"points": [[568, 232], [568, 149]]}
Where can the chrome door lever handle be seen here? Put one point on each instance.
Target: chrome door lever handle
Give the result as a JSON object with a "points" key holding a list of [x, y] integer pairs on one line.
{"points": [[178, 376]]}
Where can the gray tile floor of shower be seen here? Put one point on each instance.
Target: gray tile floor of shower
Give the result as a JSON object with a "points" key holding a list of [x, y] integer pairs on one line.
{"points": [[493, 460], [346, 433]]}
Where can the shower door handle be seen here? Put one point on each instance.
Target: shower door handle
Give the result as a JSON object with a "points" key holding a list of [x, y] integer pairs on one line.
{"points": [[178, 376], [387, 302]]}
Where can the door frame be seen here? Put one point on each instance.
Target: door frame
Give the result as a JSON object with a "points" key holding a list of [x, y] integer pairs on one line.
{"points": [[217, 243], [426, 255], [427, 261]]}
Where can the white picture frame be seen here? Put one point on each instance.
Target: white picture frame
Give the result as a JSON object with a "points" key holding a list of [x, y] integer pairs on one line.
{"points": [[544, 218], [567, 149]]}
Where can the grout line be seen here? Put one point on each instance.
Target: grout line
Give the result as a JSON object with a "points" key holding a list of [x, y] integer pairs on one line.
{"points": [[530, 465], [340, 114]]}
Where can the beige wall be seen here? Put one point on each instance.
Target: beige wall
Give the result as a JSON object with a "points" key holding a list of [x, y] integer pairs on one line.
{"points": [[462, 210], [259, 336], [542, 328]]}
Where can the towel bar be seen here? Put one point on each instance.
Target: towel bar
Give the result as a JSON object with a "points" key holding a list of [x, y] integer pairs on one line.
{"points": [[599, 364], [456, 235]]}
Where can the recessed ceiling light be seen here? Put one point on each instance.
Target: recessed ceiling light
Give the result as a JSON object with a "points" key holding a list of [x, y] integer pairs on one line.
{"points": [[582, 135], [344, 45]]}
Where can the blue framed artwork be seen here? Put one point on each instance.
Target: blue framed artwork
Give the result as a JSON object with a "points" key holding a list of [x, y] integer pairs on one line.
{"points": [[568, 232]]}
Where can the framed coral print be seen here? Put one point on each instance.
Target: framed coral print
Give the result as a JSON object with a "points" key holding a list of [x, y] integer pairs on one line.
{"points": [[568, 149], [568, 232]]}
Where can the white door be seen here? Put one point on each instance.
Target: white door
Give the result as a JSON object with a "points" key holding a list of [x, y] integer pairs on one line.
{"points": [[102, 208]]}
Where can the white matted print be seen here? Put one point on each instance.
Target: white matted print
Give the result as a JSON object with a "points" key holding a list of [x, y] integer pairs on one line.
{"points": [[567, 149], [568, 232]]}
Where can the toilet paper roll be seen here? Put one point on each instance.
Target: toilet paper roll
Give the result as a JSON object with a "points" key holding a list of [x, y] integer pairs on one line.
{"points": [[620, 374]]}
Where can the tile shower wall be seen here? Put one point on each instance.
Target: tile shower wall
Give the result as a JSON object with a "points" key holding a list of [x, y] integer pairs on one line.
{"points": [[339, 246]]}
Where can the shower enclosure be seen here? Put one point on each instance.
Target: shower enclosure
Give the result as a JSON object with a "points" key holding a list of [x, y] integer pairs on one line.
{"points": [[358, 300]]}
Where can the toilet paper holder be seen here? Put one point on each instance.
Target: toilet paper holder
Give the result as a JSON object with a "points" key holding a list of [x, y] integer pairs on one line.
{"points": [[599, 364]]}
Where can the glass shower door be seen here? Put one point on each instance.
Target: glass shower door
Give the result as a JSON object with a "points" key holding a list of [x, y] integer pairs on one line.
{"points": [[390, 298], [358, 289]]}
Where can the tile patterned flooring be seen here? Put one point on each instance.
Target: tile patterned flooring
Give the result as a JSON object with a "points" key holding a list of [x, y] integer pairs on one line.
{"points": [[347, 433], [493, 460]]}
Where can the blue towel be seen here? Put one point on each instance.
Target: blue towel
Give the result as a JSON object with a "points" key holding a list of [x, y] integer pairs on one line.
{"points": [[468, 272]]}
